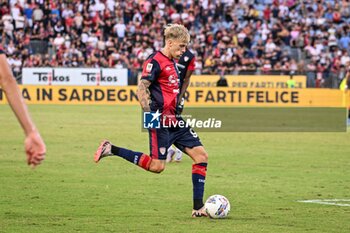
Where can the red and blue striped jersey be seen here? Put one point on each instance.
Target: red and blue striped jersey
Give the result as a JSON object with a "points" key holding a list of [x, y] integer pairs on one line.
{"points": [[163, 74]]}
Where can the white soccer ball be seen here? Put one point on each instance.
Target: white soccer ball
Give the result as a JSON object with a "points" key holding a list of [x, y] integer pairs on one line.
{"points": [[217, 206]]}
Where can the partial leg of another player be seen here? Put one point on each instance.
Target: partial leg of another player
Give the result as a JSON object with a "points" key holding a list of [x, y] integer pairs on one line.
{"points": [[170, 155], [174, 154]]}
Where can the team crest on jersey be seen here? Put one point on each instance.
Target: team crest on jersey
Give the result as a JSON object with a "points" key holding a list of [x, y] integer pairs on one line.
{"points": [[186, 58], [172, 80], [149, 67]]}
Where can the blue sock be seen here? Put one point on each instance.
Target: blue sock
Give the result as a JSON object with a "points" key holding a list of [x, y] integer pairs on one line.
{"points": [[129, 155], [199, 171]]}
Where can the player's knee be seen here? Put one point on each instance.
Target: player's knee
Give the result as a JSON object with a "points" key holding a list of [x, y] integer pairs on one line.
{"points": [[159, 170], [157, 167], [199, 155], [203, 157]]}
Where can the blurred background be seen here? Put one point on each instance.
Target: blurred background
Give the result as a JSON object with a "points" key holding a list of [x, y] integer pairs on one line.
{"points": [[309, 37]]}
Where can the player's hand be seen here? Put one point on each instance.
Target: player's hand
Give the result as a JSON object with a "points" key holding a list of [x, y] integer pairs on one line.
{"points": [[180, 106], [146, 108], [35, 149]]}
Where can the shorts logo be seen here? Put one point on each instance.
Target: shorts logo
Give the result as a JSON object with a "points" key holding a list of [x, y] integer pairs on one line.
{"points": [[151, 120], [149, 67], [162, 150]]}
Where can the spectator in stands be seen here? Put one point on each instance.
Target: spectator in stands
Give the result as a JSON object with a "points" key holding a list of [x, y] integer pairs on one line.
{"points": [[38, 14], [345, 82], [58, 41], [237, 36], [222, 82], [291, 82]]}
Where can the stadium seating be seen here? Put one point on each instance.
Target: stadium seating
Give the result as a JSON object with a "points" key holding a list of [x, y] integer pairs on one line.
{"points": [[230, 37]]}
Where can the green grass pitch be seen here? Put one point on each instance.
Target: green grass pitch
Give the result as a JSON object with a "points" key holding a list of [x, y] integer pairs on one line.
{"points": [[262, 174]]}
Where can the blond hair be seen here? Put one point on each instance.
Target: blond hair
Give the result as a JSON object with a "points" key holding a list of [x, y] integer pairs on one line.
{"points": [[176, 32]]}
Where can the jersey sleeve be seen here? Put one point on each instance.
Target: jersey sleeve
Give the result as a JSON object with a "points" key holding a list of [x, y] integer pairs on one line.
{"points": [[150, 70], [191, 65]]}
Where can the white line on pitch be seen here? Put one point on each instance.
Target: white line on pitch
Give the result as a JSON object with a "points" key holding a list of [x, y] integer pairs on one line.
{"points": [[328, 202]]}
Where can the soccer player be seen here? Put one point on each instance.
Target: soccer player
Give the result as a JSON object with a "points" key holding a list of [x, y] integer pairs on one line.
{"points": [[34, 145], [158, 91], [185, 65]]}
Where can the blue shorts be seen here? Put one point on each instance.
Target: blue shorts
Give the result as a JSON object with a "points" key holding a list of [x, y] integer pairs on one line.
{"points": [[161, 139]]}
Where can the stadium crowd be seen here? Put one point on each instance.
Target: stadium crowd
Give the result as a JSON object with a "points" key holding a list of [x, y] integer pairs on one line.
{"points": [[228, 37]]}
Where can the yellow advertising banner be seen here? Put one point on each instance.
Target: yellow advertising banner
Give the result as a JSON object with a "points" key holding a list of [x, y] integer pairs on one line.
{"points": [[214, 96], [266, 97], [204, 80], [248, 81], [77, 95]]}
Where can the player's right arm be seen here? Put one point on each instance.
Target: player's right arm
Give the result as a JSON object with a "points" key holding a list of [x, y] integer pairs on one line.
{"points": [[144, 95], [150, 73], [34, 145]]}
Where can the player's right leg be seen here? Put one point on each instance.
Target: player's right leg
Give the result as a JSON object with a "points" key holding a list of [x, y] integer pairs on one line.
{"points": [[154, 163], [158, 146], [103, 150], [106, 148]]}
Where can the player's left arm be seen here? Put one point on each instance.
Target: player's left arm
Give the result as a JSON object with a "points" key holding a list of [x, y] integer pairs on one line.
{"points": [[186, 81]]}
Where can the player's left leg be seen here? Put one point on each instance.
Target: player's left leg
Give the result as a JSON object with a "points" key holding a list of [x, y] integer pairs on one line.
{"points": [[199, 172], [188, 141]]}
